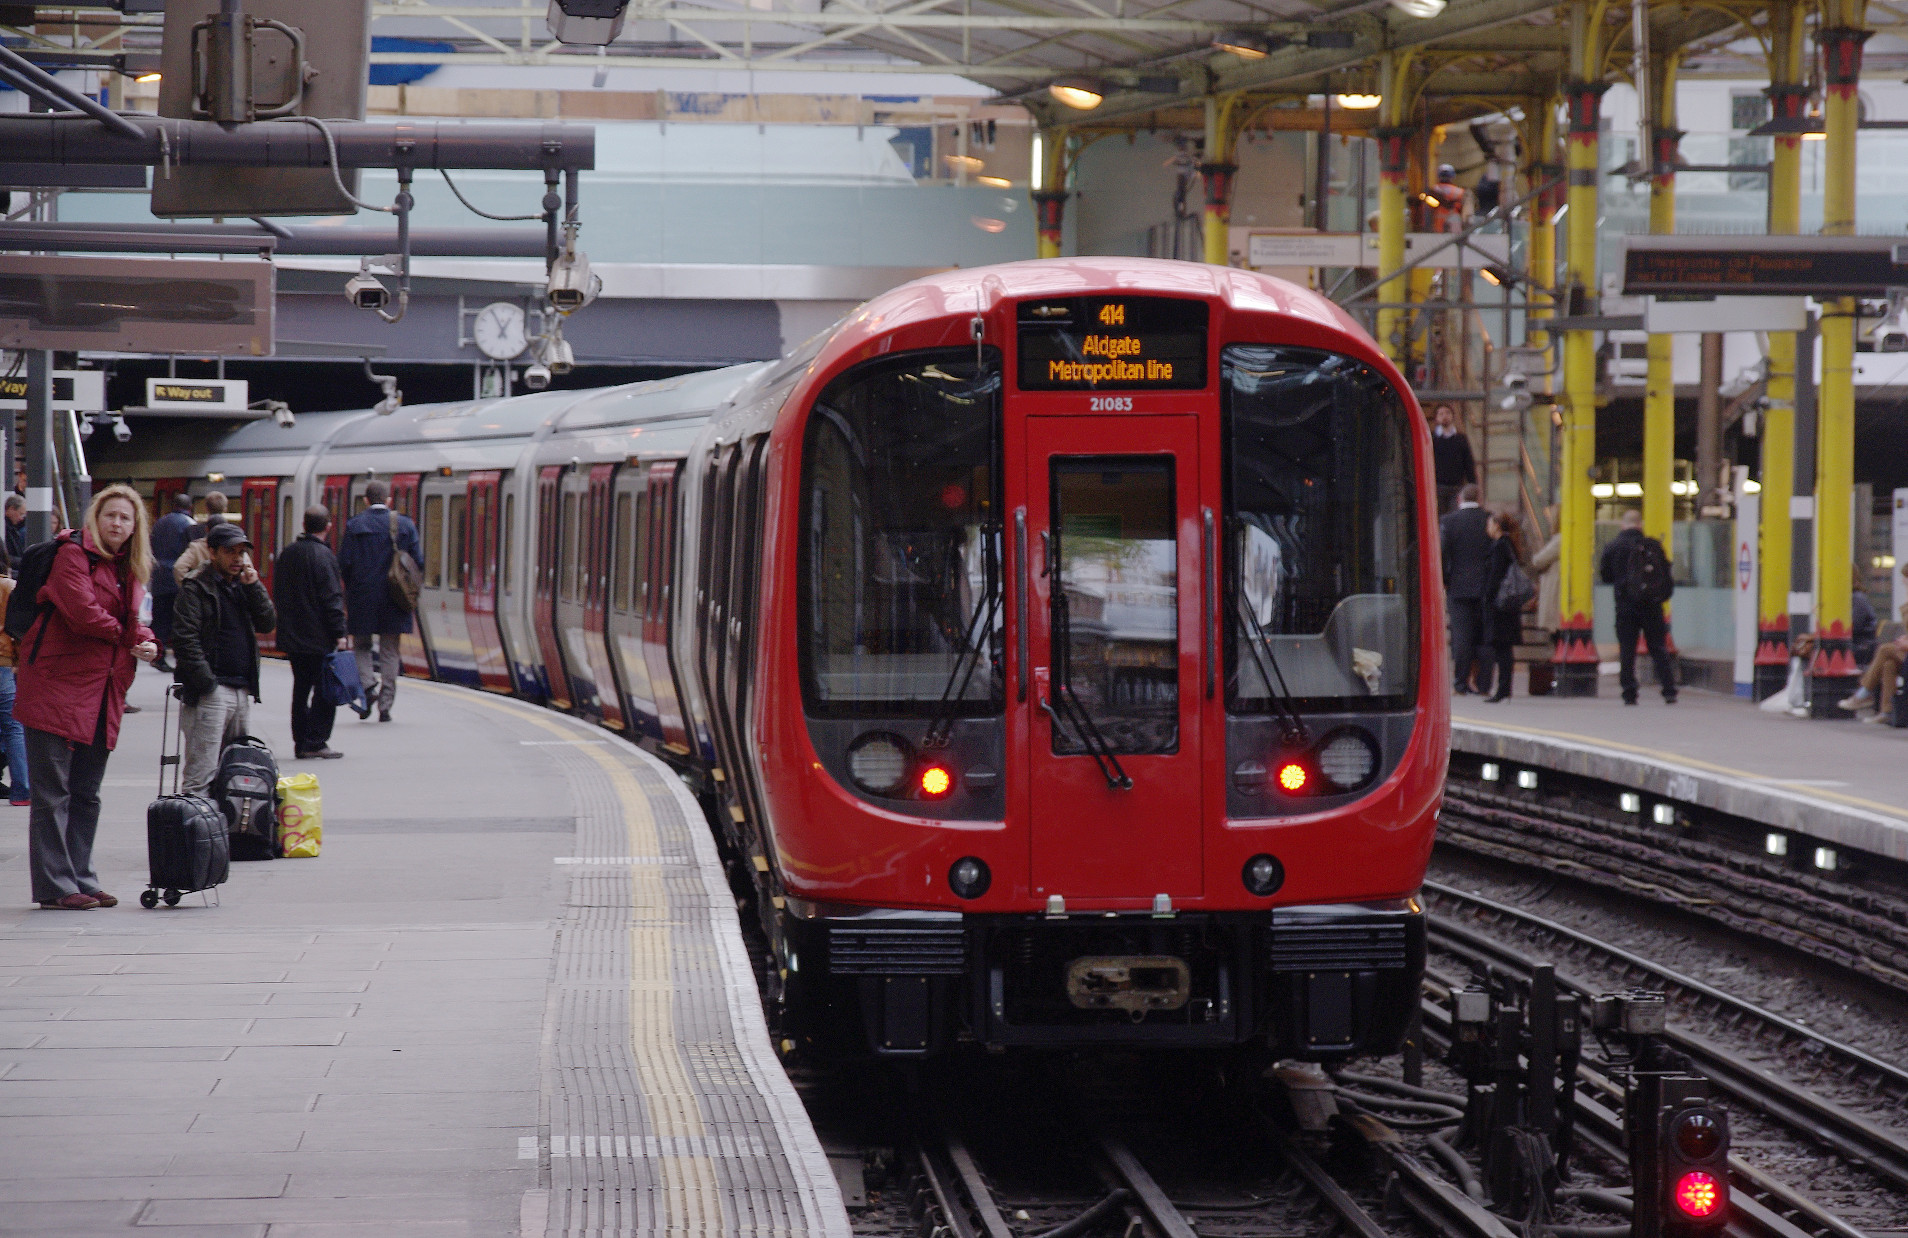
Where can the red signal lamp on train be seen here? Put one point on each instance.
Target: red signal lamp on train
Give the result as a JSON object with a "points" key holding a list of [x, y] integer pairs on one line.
{"points": [[935, 781], [1293, 777]]}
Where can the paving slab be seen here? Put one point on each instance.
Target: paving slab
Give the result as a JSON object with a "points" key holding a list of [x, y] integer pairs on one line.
{"points": [[405, 1035]]}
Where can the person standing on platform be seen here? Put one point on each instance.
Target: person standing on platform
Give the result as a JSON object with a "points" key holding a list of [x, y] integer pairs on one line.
{"points": [[1465, 547], [16, 528], [311, 623], [372, 538], [12, 738], [75, 664], [1639, 571], [195, 555], [1451, 459], [222, 608], [171, 535], [1504, 625]]}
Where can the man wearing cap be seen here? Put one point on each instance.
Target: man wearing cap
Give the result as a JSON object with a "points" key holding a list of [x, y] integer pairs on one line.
{"points": [[221, 609]]}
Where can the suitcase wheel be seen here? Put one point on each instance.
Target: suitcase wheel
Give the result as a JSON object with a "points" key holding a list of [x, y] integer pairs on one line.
{"points": [[173, 897], [149, 899]]}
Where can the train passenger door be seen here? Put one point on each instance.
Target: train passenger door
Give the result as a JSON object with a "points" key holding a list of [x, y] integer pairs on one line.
{"points": [[480, 582], [658, 594], [336, 496], [629, 566], [549, 543], [414, 647], [258, 513], [440, 603], [599, 535], [1116, 623]]}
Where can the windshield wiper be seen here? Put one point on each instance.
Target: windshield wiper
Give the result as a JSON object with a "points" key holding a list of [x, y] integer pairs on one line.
{"points": [[1291, 725], [941, 730], [1071, 711]]}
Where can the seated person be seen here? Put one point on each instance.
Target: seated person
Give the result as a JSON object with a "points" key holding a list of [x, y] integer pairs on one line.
{"points": [[1878, 681], [1862, 623]]}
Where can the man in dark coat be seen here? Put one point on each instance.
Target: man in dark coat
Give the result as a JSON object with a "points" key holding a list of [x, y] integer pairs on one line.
{"points": [[16, 527], [1464, 542], [311, 623], [216, 621], [1636, 615], [171, 534], [371, 612], [1452, 463]]}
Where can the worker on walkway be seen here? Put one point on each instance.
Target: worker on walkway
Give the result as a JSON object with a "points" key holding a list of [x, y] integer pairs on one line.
{"points": [[1639, 570], [373, 538], [222, 608], [309, 594], [1452, 463], [75, 664]]}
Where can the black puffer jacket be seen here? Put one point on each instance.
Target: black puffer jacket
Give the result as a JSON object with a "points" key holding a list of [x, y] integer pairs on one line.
{"points": [[310, 597], [195, 625]]}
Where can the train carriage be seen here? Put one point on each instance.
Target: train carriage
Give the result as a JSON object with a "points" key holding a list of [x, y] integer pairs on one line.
{"points": [[1056, 645]]}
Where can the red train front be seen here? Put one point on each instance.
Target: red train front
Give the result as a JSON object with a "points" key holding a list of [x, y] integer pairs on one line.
{"points": [[1100, 696]]}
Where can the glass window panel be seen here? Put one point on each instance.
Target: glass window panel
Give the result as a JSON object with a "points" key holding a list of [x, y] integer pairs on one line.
{"points": [[901, 539], [509, 540], [434, 541], [567, 570], [456, 567], [1321, 560], [623, 552], [1115, 619]]}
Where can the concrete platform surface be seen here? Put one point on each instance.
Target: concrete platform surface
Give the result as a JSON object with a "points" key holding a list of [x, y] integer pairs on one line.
{"points": [[509, 998], [1840, 781]]}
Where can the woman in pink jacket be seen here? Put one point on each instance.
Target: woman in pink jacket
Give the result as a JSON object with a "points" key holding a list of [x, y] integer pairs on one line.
{"points": [[74, 666]]}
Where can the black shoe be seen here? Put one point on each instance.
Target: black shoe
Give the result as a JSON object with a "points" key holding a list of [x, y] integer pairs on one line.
{"points": [[1629, 700], [1492, 700], [164, 667], [1669, 698], [384, 715], [323, 754], [1460, 690], [133, 709]]}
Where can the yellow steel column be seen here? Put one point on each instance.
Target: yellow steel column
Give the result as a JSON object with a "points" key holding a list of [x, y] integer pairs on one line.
{"points": [[1576, 655], [1540, 250], [1834, 670], [1659, 391], [1394, 212], [1218, 171], [1049, 189], [1787, 97]]}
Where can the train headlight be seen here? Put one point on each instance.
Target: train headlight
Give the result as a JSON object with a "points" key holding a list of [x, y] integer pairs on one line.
{"points": [[879, 763], [968, 877], [1263, 875], [1348, 760]]}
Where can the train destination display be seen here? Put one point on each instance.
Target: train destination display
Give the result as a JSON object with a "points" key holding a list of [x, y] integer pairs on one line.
{"points": [[1112, 344], [1754, 266]]}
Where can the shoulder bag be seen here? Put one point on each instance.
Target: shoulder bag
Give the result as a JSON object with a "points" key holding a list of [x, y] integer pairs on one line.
{"points": [[405, 578]]}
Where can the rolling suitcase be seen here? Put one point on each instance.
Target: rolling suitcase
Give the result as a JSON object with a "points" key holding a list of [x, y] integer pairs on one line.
{"points": [[186, 845], [246, 791]]}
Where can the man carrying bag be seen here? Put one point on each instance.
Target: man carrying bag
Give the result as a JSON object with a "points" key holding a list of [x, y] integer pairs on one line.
{"points": [[380, 588], [309, 594]]}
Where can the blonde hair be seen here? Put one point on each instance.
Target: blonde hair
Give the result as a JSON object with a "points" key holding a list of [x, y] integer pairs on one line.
{"points": [[138, 547]]}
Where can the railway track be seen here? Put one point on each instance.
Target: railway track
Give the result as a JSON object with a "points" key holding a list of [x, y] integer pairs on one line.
{"points": [[1769, 1206]]}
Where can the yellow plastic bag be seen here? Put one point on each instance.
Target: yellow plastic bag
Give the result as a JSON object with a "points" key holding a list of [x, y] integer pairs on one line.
{"points": [[301, 817]]}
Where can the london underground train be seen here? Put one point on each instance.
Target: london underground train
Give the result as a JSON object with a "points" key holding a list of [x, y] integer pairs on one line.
{"points": [[1057, 646]]}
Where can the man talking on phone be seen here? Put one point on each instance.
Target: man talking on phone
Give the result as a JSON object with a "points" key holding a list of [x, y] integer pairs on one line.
{"points": [[216, 622]]}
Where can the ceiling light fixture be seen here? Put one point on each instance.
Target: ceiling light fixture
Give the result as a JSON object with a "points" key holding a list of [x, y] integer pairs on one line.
{"points": [[1083, 94], [967, 163], [995, 182], [1358, 103], [147, 77], [1246, 44], [1419, 8]]}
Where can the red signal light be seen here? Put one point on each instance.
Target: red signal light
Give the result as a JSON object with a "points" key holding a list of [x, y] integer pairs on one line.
{"points": [[936, 781], [1293, 777], [1699, 1195]]}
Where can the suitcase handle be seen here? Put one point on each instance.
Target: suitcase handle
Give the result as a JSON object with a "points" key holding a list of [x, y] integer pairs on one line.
{"points": [[177, 758]]}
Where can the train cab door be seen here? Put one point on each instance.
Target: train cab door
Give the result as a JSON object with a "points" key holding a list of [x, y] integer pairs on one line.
{"points": [[593, 591], [547, 570], [440, 603], [481, 543], [656, 595], [1116, 615], [258, 513], [414, 648], [629, 565]]}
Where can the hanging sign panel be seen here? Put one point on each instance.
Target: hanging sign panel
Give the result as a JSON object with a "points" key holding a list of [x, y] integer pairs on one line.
{"points": [[203, 309], [81, 391], [1112, 344], [1763, 265]]}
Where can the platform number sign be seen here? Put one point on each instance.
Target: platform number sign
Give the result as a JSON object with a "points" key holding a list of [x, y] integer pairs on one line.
{"points": [[1112, 344]]}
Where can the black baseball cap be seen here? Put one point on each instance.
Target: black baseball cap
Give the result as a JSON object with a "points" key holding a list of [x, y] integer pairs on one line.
{"points": [[224, 534]]}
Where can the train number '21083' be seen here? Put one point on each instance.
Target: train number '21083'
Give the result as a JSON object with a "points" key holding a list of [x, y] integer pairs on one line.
{"points": [[1112, 404]]}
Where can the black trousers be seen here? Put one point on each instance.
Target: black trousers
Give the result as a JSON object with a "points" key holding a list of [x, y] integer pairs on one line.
{"points": [[1647, 620], [1467, 642], [312, 714]]}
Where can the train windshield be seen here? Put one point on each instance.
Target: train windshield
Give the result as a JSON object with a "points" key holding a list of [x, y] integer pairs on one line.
{"points": [[900, 549], [1321, 567]]}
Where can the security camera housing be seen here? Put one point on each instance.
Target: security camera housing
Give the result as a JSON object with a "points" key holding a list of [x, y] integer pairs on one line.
{"points": [[537, 377], [559, 356], [1891, 338], [121, 430], [366, 291], [586, 23], [572, 286]]}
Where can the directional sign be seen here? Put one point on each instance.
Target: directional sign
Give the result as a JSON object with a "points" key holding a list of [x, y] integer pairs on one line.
{"points": [[80, 390], [1763, 265]]}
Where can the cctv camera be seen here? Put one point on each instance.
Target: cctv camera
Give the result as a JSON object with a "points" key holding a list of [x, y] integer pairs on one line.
{"points": [[121, 430], [365, 291], [1891, 338], [85, 428], [1513, 394], [537, 377], [558, 355], [572, 286]]}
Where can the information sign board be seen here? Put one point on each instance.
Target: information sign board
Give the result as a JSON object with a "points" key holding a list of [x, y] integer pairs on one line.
{"points": [[1112, 344], [197, 308], [1763, 265], [197, 395], [82, 391]]}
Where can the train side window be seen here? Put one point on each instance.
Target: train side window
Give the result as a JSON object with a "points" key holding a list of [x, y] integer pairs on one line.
{"points": [[566, 566], [509, 541], [288, 532], [433, 541], [623, 550], [456, 566]]}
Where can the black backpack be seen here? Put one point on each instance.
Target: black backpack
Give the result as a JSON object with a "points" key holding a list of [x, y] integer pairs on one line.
{"points": [[1647, 578], [24, 606], [246, 791]]}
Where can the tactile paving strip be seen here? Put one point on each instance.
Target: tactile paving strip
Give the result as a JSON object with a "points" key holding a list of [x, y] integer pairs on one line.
{"points": [[667, 1112]]}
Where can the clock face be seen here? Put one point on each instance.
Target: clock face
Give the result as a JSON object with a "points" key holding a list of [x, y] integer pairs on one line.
{"points": [[499, 330]]}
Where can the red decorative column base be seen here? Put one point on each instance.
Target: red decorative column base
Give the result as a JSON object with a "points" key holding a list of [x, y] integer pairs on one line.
{"points": [[1772, 657], [1050, 213], [1833, 676], [1575, 659]]}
